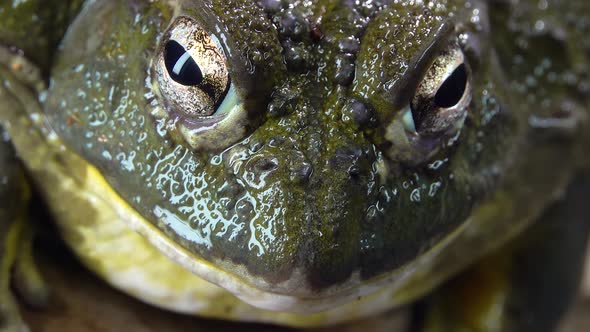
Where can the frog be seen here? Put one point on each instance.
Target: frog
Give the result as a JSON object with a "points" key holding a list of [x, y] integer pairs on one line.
{"points": [[302, 163]]}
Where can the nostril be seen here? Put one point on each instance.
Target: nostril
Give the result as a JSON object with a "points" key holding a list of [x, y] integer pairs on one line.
{"points": [[352, 161], [354, 172], [302, 172], [266, 165], [346, 157]]}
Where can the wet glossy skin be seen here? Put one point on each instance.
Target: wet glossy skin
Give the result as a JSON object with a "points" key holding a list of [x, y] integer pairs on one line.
{"points": [[302, 193], [312, 196]]}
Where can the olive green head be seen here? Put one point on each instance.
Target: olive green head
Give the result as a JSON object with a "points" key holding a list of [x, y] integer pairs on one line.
{"points": [[300, 148]]}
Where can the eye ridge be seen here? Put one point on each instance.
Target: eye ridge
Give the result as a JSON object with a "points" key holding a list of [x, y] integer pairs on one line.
{"points": [[181, 66], [452, 90]]}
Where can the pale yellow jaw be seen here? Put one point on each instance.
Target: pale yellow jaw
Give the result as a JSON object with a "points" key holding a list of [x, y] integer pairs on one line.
{"points": [[107, 246]]}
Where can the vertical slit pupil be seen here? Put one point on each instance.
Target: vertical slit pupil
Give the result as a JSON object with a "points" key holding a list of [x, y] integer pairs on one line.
{"points": [[181, 67], [452, 90]]}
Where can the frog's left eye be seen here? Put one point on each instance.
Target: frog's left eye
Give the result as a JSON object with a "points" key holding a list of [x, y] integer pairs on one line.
{"points": [[193, 82], [440, 103], [437, 109]]}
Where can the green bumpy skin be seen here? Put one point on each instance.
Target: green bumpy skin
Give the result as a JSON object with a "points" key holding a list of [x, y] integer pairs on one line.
{"points": [[301, 193], [307, 204]]}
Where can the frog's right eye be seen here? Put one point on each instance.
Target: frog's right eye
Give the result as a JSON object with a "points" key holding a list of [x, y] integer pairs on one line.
{"points": [[196, 93], [436, 111], [440, 102], [196, 79], [181, 65]]}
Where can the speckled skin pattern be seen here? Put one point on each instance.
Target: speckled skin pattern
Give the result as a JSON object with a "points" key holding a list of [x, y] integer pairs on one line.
{"points": [[309, 191], [302, 192]]}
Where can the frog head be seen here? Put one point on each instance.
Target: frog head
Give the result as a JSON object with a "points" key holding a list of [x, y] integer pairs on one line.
{"points": [[299, 154]]}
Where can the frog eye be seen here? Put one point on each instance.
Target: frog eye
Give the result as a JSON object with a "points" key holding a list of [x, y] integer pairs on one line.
{"points": [[440, 103], [196, 94], [435, 112], [181, 65], [196, 73]]}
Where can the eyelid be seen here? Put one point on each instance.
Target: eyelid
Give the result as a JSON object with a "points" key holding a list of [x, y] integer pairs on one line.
{"points": [[422, 63]]}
